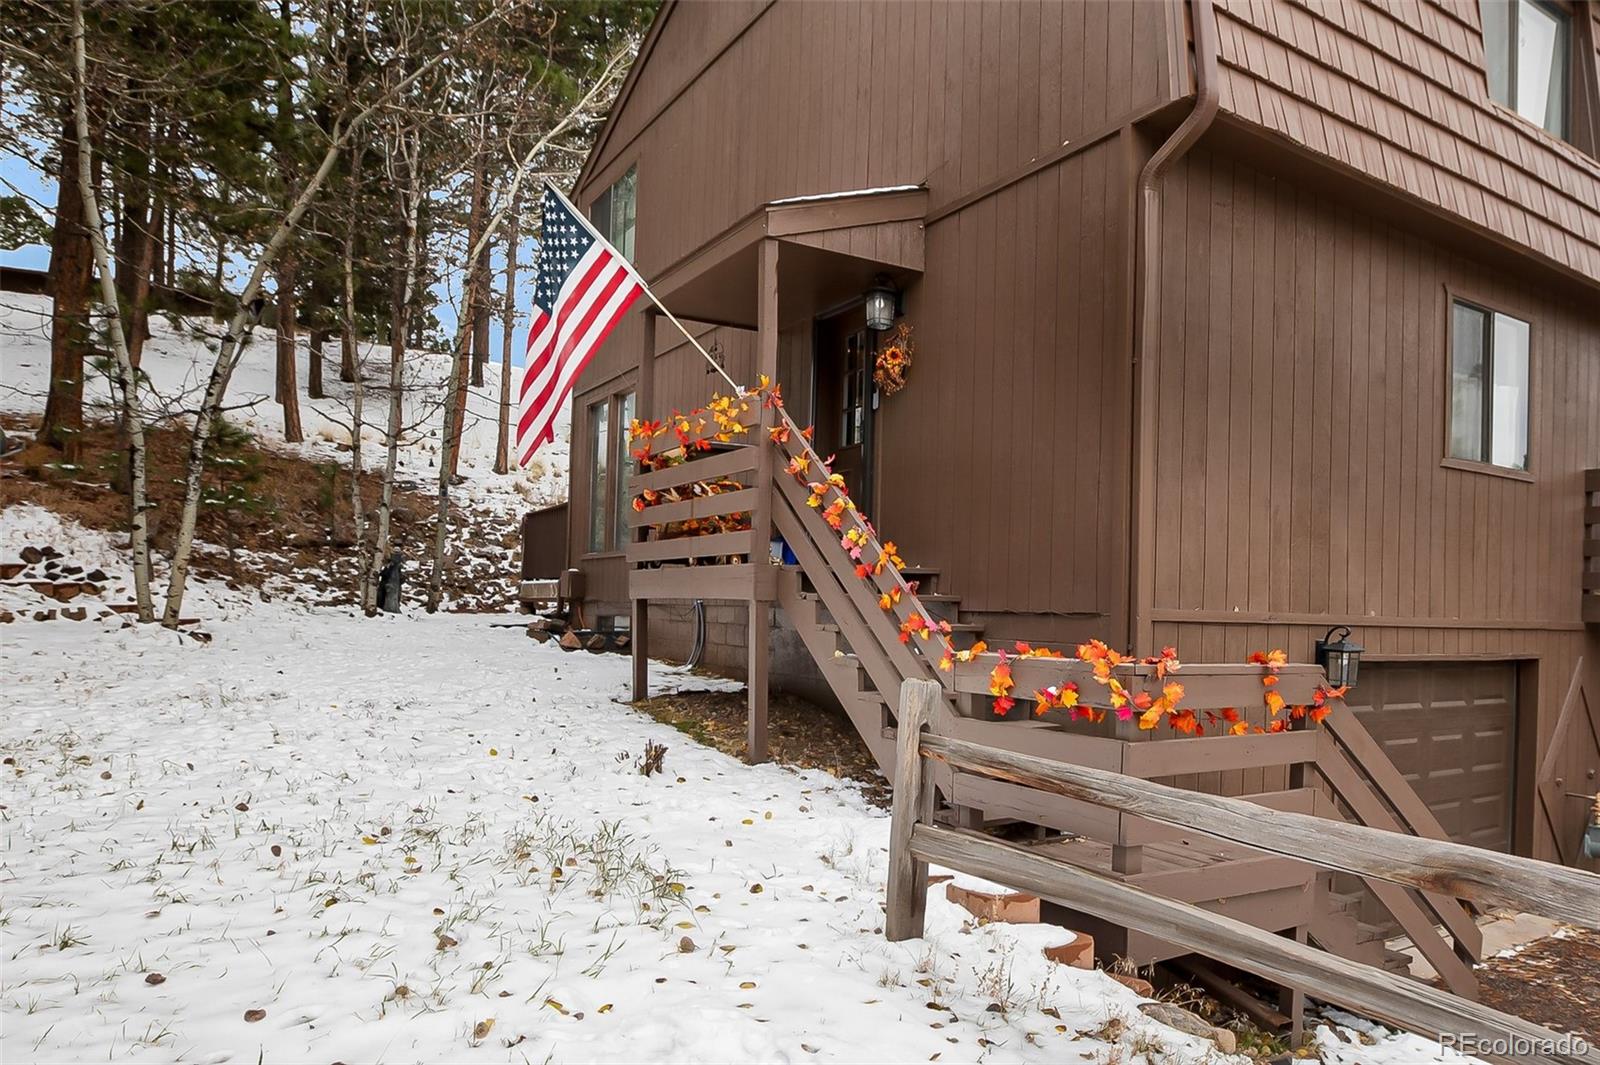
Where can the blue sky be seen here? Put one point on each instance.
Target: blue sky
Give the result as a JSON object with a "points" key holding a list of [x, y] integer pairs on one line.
{"points": [[18, 176]]}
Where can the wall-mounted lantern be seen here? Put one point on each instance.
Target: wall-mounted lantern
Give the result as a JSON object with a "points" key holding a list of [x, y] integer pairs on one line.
{"points": [[1339, 658], [882, 303]]}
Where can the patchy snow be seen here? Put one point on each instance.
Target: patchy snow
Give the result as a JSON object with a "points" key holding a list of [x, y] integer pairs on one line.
{"points": [[424, 838], [178, 358]]}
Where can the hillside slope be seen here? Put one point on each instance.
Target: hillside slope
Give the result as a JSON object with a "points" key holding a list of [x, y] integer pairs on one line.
{"points": [[281, 507]]}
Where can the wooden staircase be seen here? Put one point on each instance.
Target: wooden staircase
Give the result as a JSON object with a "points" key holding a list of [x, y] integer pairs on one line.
{"points": [[870, 624]]}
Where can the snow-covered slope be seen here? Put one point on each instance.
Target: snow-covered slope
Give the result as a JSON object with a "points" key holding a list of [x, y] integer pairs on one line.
{"points": [[321, 837], [178, 359]]}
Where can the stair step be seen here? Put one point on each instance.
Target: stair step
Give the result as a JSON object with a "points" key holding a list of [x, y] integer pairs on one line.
{"points": [[1396, 961], [955, 626], [1370, 933]]}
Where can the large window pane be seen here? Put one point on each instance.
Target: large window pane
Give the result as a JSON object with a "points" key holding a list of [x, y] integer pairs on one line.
{"points": [[1508, 433], [623, 210], [1468, 335], [1542, 66], [1527, 48], [625, 466], [599, 460]]}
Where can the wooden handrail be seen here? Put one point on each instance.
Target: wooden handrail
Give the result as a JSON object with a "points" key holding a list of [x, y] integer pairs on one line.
{"points": [[1558, 892], [889, 578]]}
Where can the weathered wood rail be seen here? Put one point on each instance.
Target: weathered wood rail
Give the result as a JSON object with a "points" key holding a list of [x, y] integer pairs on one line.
{"points": [[1395, 858]]}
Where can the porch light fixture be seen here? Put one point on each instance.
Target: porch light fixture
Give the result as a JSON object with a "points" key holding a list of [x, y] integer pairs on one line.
{"points": [[1339, 658], [881, 304]]}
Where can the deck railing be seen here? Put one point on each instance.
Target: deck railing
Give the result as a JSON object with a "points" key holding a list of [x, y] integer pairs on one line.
{"points": [[1401, 861]]}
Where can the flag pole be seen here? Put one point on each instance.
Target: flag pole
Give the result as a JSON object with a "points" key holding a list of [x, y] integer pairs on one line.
{"points": [[662, 307]]}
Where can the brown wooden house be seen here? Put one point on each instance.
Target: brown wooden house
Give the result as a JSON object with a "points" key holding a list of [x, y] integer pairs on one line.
{"points": [[1234, 321]]}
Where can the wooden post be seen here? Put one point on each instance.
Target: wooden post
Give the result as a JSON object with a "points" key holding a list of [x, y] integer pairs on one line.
{"points": [[760, 631], [644, 405], [913, 802], [1292, 999]]}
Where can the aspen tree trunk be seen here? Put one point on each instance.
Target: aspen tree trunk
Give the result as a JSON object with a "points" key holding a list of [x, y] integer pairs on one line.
{"points": [[71, 277], [508, 325], [402, 295], [127, 380]]}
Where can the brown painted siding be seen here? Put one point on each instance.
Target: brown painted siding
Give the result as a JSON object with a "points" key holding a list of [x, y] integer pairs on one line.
{"points": [[1016, 361], [1012, 351], [1396, 90], [1303, 399], [831, 97]]}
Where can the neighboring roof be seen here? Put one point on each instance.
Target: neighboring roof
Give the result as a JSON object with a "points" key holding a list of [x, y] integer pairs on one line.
{"points": [[1397, 92]]}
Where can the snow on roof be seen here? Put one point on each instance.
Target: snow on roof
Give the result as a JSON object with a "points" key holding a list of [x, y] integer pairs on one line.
{"points": [[845, 195]]}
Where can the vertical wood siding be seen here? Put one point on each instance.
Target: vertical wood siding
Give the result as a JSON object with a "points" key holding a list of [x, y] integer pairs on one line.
{"points": [[1303, 397], [1016, 337]]}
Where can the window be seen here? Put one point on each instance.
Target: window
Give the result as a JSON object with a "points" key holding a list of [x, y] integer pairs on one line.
{"points": [[625, 468], [613, 213], [1527, 48], [1488, 386], [599, 460], [853, 418]]}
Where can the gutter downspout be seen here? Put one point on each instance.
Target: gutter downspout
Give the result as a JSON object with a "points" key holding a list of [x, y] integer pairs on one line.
{"points": [[1146, 321]]}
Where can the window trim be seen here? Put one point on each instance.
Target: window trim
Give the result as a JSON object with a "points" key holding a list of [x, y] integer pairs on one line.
{"points": [[1453, 295], [590, 423]]}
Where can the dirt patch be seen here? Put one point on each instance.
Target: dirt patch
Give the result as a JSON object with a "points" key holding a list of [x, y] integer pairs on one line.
{"points": [[800, 734], [269, 520], [1553, 981]]}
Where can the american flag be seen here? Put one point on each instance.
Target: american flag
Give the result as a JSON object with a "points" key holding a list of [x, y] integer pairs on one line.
{"points": [[584, 288]]}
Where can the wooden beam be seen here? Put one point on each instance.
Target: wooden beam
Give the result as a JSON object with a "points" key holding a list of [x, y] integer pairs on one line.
{"points": [[699, 507], [711, 467], [1218, 754], [639, 622], [757, 681], [913, 802], [1382, 995], [1208, 686], [1428, 865], [678, 547], [695, 582]]}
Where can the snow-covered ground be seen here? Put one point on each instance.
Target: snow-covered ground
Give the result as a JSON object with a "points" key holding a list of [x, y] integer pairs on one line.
{"points": [[327, 838], [178, 358]]}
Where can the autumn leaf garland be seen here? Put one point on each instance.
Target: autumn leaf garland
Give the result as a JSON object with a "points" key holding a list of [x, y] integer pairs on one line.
{"points": [[870, 559]]}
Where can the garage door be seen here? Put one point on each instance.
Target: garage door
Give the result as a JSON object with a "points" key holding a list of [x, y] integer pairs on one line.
{"points": [[1451, 729]]}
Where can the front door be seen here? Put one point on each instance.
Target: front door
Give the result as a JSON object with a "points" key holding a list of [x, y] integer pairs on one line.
{"points": [[843, 400]]}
